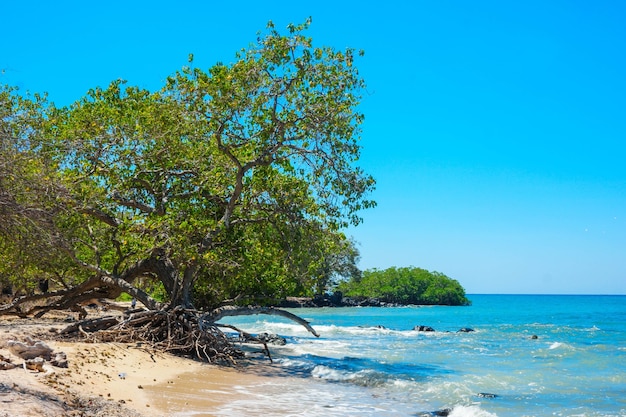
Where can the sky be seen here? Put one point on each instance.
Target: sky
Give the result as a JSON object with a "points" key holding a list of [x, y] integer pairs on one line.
{"points": [[496, 130]]}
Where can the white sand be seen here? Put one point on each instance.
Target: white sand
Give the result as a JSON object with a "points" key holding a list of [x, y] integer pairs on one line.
{"points": [[103, 379]]}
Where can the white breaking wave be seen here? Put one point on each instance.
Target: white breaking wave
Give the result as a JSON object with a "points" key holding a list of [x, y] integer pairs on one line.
{"points": [[555, 345], [470, 411]]}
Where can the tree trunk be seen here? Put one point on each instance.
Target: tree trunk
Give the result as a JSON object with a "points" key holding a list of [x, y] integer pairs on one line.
{"points": [[189, 278]]}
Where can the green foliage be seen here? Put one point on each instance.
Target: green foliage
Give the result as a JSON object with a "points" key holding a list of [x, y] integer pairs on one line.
{"points": [[271, 263], [227, 183], [30, 208], [406, 286]]}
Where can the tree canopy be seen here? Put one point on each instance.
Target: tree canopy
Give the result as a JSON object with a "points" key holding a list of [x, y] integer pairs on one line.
{"points": [[408, 285], [226, 183]]}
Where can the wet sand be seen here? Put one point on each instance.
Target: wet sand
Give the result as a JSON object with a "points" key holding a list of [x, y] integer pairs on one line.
{"points": [[202, 393]]}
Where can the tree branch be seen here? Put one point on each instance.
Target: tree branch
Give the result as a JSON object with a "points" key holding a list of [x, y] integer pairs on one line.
{"points": [[100, 215], [134, 204], [229, 311]]}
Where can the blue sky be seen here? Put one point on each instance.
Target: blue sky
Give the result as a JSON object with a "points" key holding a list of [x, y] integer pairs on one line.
{"points": [[496, 130]]}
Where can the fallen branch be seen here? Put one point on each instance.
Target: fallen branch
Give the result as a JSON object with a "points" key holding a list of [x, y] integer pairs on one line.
{"points": [[91, 325], [30, 349], [229, 311]]}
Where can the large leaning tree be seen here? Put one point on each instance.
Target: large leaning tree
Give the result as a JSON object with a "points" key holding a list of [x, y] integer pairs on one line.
{"points": [[239, 178]]}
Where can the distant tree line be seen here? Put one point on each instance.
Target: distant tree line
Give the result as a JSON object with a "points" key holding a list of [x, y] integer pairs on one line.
{"points": [[408, 285]]}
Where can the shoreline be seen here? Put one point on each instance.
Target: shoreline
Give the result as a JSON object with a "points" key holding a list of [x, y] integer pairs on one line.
{"points": [[337, 300]]}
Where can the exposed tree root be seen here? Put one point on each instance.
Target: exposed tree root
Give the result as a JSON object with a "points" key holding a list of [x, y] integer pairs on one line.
{"points": [[180, 331]]}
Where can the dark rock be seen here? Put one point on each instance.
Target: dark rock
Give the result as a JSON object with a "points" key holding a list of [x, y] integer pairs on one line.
{"points": [[466, 330], [369, 302], [272, 339], [444, 412], [487, 395], [337, 298], [321, 300], [349, 302], [290, 302], [360, 302], [297, 302], [534, 337], [421, 328]]}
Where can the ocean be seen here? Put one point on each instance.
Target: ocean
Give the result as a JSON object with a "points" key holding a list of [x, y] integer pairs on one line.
{"points": [[528, 355]]}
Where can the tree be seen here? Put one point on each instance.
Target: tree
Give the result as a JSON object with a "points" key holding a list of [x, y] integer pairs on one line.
{"points": [[216, 171]]}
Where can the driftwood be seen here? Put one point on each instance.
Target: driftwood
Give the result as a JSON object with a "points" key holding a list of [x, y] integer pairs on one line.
{"points": [[5, 363], [91, 325], [30, 349], [35, 355], [247, 337], [35, 364], [60, 360]]}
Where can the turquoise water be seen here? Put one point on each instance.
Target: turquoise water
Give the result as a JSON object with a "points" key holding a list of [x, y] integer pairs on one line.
{"points": [[369, 361]]}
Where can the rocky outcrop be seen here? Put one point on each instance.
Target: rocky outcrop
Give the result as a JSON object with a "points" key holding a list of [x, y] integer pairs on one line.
{"points": [[486, 395], [421, 328], [272, 339], [335, 299], [466, 330]]}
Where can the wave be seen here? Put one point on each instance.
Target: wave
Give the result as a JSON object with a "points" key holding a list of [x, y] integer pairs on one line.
{"points": [[362, 371], [290, 328], [549, 357], [365, 378], [555, 345], [470, 411]]}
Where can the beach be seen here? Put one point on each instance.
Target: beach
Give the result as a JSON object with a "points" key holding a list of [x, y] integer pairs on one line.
{"points": [[528, 355], [102, 379]]}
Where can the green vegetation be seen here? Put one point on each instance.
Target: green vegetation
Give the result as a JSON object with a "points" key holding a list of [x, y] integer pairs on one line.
{"points": [[405, 286], [233, 183]]}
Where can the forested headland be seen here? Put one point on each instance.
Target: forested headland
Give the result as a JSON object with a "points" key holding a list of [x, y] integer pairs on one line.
{"points": [[407, 285]]}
